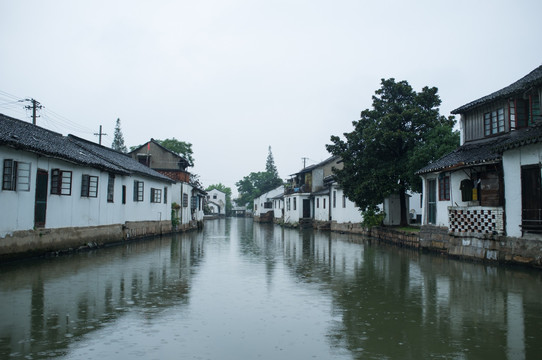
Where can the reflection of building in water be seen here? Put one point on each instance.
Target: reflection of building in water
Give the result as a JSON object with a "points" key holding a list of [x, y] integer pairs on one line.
{"points": [[388, 294], [55, 300]]}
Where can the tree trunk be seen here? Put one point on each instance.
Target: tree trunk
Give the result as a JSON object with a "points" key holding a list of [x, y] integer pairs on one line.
{"points": [[402, 204]]}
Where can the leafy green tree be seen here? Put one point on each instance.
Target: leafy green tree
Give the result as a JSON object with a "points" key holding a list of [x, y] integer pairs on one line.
{"points": [[400, 134], [179, 147], [118, 139], [257, 183], [225, 190]]}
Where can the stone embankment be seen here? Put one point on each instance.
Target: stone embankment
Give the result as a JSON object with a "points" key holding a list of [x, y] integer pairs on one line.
{"points": [[38, 242], [490, 248]]}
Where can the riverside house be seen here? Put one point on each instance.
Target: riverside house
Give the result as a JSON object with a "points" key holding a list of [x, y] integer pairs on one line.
{"points": [[216, 202], [61, 192], [268, 207], [484, 200], [313, 197], [187, 194]]}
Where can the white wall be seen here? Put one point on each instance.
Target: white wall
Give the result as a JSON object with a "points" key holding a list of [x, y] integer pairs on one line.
{"points": [[278, 206], [74, 210], [292, 215], [347, 213], [321, 213], [17, 207], [442, 206], [512, 161], [218, 197], [268, 196]]}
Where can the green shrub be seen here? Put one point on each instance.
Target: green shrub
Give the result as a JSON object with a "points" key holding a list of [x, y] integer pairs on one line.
{"points": [[372, 217]]}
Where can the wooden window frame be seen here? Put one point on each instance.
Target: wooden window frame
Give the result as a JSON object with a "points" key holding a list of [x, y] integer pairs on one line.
{"points": [[111, 188], [89, 186], [156, 195], [139, 190], [16, 175], [61, 182], [494, 122], [444, 188]]}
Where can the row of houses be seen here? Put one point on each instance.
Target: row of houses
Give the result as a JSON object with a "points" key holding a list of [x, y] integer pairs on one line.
{"points": [[65, 192], [483, 200], [313, 198]]}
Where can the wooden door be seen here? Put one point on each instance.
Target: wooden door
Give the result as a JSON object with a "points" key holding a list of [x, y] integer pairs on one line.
{"points": [[531, 199], [40, 205], [306, 208]]}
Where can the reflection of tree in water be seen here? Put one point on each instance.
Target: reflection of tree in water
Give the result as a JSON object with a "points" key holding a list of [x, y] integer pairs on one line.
{"points": [[397, 303], [73, 295]]}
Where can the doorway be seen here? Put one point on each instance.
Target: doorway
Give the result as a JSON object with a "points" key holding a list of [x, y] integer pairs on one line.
{"points": [[40, 205]]}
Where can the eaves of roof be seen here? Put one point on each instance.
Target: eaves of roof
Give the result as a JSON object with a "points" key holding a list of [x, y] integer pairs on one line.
{"points": [[22, 135], [314, 166], [481, 152], [534, 78]]}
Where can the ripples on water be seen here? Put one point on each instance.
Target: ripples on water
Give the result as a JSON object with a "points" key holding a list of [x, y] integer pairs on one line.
{"points": [[238, 290]]}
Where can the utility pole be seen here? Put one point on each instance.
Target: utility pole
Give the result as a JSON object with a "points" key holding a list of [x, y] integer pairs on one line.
{"points": [[304, 161], [35, 106], [100, 135]]}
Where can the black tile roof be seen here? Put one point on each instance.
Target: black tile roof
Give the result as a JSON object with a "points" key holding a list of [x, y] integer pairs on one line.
{"points": [[534, 78], [525, 136], [486, 150], [471, 153], [22, 135], [314, 166]]}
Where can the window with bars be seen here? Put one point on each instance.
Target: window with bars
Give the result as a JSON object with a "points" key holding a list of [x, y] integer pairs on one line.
{"points": [[61, 182], [185, 200], [138, 190], [16, 175], [89, 186]]}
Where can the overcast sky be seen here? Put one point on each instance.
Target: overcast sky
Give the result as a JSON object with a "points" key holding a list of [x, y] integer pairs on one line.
{"points": [[234, 77]]}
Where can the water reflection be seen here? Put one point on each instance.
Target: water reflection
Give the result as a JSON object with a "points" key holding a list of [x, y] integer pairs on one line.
{"points": [[70, 296], [245, 290]]}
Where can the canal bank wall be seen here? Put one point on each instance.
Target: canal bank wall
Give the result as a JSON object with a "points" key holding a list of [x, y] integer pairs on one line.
{"points": [[481, 247], [38, 242]]}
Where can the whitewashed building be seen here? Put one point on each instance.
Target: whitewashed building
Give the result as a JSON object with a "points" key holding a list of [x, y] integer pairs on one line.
{"points": [[216, 201], [268, 206], [51, 181], [489, 189]]}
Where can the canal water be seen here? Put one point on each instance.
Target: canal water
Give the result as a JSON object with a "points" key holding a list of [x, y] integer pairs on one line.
{"points": [[243, 290]]}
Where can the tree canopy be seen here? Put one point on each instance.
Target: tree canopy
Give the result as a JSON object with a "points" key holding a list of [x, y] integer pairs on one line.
{"points": [[182, 148], [118, 139], [179, 147], [400, 134], [225, 190], [257, 183]]}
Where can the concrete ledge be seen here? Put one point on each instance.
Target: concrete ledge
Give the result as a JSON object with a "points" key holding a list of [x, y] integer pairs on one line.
{"points": [[37, 242], [492, 248]]}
